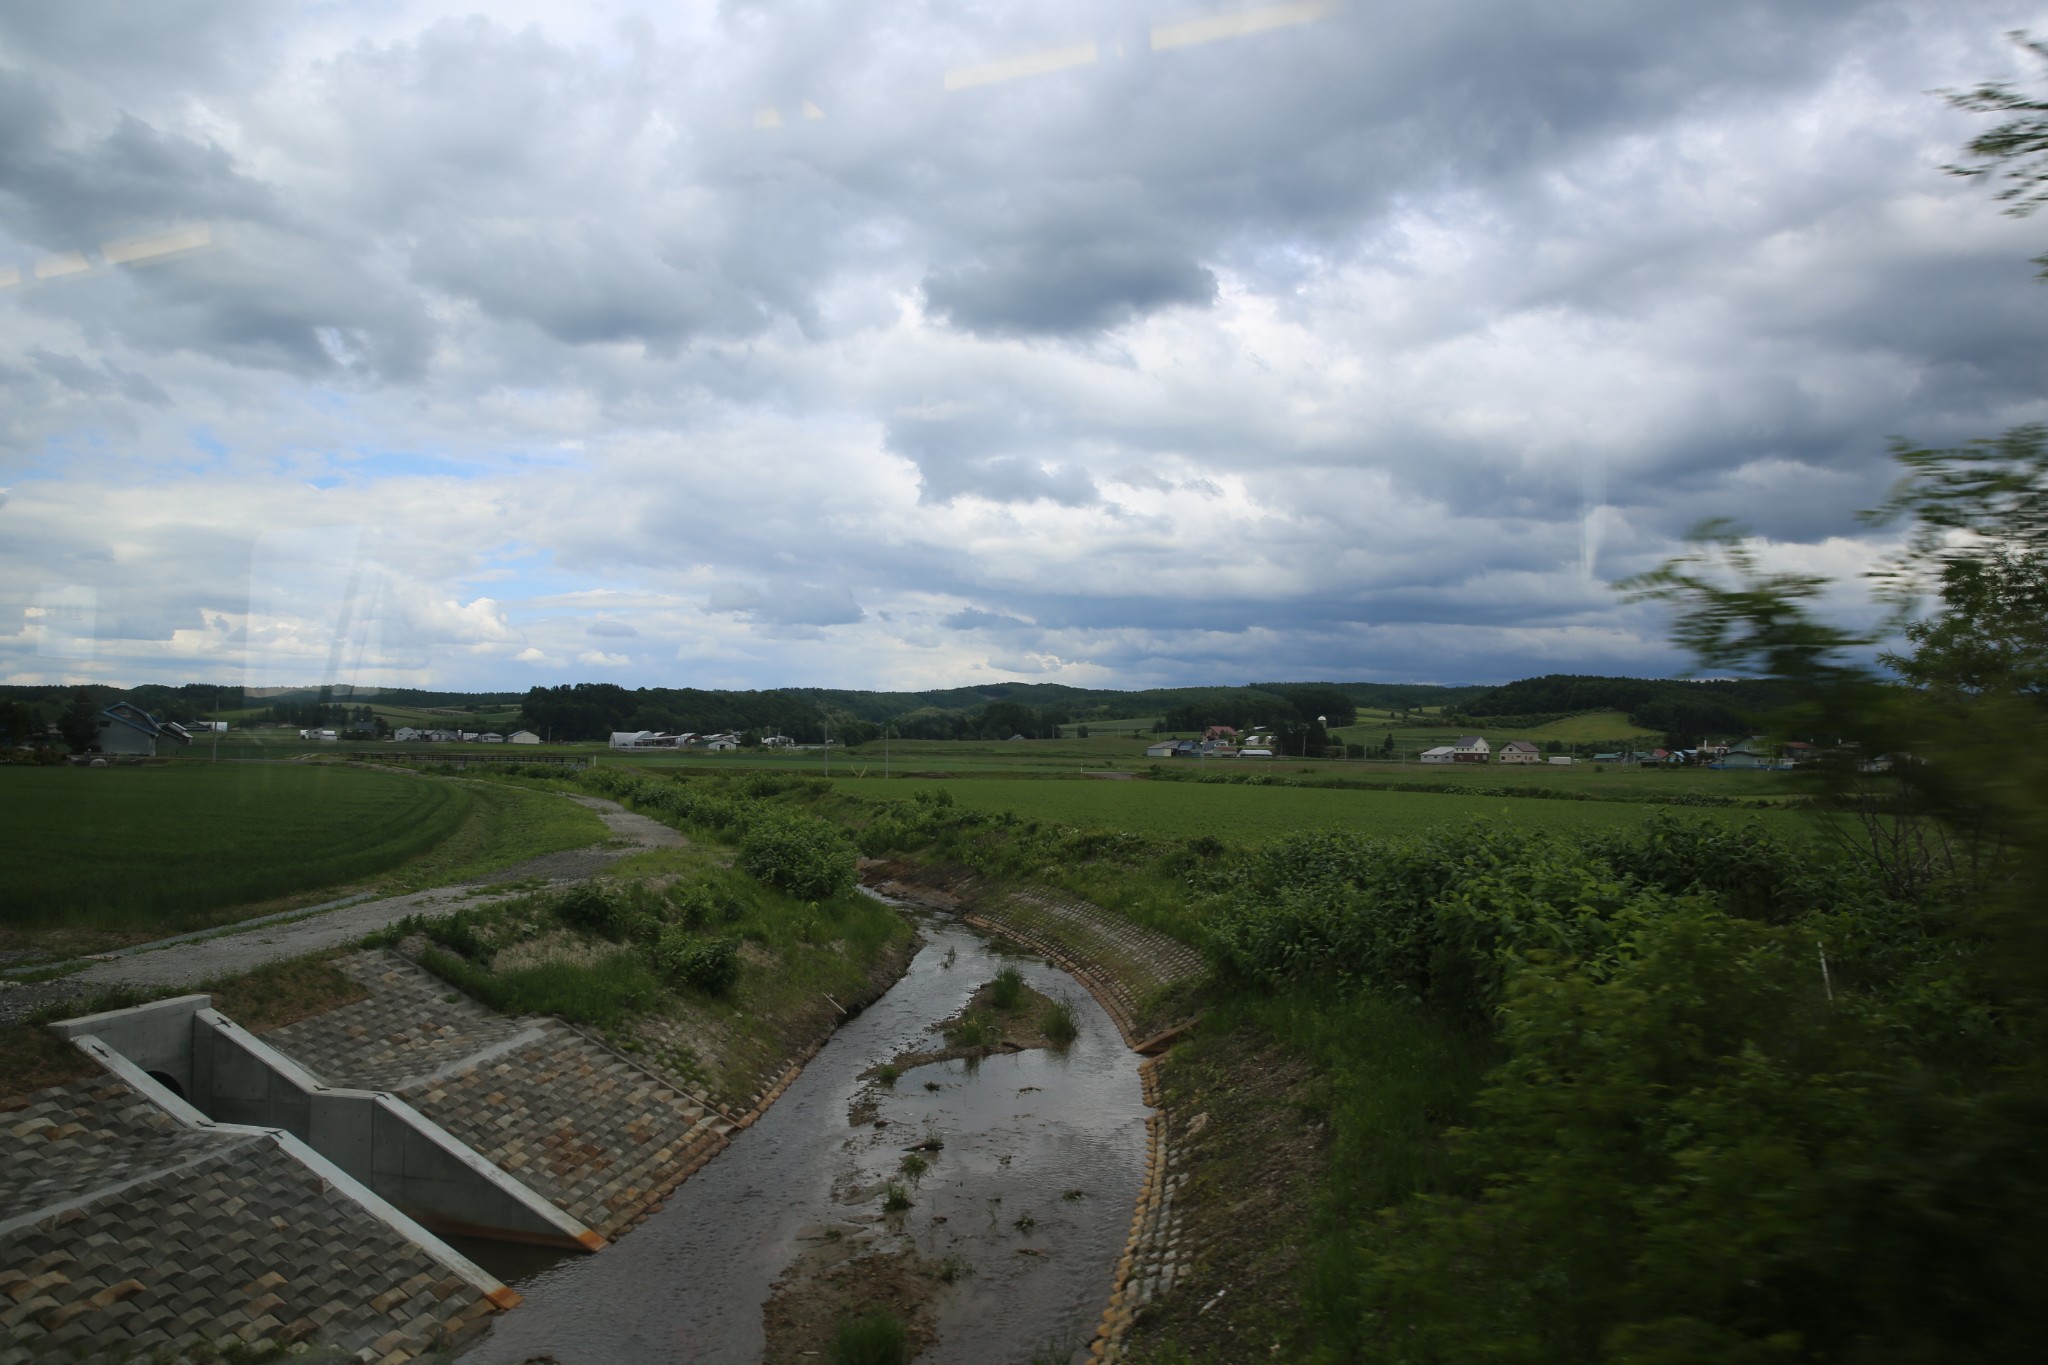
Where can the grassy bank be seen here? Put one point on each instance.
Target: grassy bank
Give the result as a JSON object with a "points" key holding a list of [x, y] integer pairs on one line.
{"points": [[1673, 1090]]}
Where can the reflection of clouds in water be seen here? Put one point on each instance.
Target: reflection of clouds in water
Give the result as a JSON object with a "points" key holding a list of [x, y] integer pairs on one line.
{"points": [[64, 618], [314, 608]]}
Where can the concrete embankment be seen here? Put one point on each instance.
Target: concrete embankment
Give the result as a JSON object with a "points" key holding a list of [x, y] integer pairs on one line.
{"points": [[131, 1219]]}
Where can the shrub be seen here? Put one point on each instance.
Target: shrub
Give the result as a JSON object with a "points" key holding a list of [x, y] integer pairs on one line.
{"points": [[895, 1199], [807, 858], [597, 909], [708, 965]]}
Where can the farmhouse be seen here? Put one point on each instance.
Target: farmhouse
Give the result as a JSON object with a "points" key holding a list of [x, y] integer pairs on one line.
{"points": [[1519, 751], [128, 729], [1471, 749]]}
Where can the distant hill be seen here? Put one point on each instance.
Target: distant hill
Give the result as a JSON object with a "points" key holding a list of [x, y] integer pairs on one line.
{"points": [[1676, 707]]}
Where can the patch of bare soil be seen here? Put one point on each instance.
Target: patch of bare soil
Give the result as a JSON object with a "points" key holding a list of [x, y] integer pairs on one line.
{"points": [[1240, 1125], [842, 1271]]}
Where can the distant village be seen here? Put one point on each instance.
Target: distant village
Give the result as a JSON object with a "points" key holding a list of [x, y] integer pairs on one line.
{"points": [[1223, 741]]}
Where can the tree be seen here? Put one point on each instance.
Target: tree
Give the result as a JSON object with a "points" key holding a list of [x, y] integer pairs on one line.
{"points": [[1325, 701], [2016, 151], [81, 723]]}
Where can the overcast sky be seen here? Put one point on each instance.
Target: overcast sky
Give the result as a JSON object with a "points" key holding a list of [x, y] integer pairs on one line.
{"points": [[1120, 343]]}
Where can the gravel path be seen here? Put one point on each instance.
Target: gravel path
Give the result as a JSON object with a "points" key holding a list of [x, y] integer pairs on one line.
{"points": [[191, 962]]}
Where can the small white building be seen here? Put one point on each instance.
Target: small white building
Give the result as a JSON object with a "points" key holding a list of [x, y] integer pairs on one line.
{"points": [[1163, 749], [1518, 751], [1562, 760], [522, 737], [777, 742], [1442, 753], [631, 739], [490, 737], [1254, 753], [720, 743]]}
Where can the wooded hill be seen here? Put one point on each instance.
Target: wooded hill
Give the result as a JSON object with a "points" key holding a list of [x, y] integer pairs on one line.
{"points": [[1685, 711]]}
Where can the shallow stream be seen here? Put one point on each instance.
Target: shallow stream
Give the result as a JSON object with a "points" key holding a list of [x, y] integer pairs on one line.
{"points": [[1029, 1197]]}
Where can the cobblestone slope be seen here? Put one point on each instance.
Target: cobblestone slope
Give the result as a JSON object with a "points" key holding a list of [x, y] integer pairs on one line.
{"points": [[234, 1238], [61, 1142], [1121, 962], [580, 1126], [410, 1027]]}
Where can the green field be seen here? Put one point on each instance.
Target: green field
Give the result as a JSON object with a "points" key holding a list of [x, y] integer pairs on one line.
{"points": [[1253, 814], [166, 846]]}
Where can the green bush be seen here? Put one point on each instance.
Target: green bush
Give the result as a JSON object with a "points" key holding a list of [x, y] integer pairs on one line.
{"points": [[807, 858], [597, 909], [708, 965], [1707, 1155]]}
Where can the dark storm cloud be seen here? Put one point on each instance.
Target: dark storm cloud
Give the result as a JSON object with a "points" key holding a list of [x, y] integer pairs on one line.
{"points": [[1347, 347], [1083, 262]]}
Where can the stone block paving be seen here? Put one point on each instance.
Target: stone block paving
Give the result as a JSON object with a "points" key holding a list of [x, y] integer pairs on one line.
{"points": [[581, 1126], [1122, 962], [68, 1139], [591, 1132], [407, 1028], [241, 1241]]}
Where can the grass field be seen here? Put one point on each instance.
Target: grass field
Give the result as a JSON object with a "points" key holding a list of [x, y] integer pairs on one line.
{"points": [[1253, 814], [167, 846]]}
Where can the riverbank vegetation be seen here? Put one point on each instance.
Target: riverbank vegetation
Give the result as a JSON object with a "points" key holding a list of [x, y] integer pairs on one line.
{"points": [[716, 960]]}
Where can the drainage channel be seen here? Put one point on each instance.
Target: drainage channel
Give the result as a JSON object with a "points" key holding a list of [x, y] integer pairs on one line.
{"points": [[1026, 1203]]}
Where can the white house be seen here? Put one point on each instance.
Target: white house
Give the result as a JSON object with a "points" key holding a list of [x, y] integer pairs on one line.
{"points": [[1518, 751], [1471, 749], [522, 737]]}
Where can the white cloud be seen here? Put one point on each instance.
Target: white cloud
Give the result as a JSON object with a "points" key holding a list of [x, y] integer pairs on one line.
{"points": [[1357, 349]]}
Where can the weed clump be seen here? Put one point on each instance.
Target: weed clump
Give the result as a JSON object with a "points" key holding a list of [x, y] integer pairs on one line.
{"points": [[873, 1338], [1006, 992], [1059, 1024], [708, 965], [895, 1198]]}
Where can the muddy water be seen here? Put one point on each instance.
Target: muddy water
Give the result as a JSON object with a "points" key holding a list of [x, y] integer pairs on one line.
{"points": [[1032, 1191]]}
